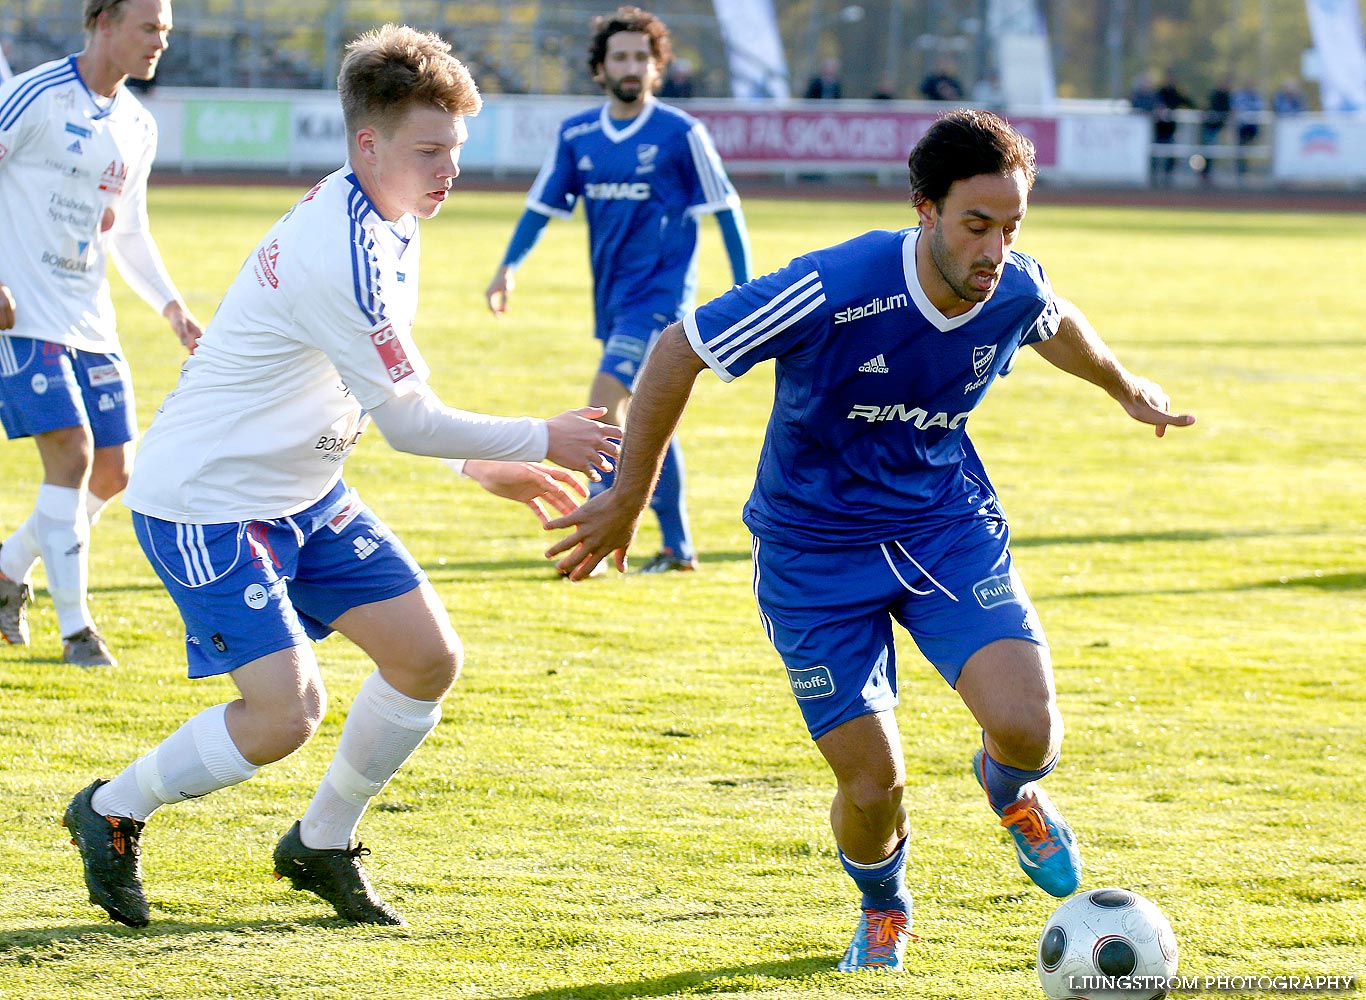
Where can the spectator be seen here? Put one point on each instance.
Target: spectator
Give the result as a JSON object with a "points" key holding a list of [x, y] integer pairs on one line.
{"points": [[1289, 100], [1212, 126], [825, 85], [1247, 107], [678, 80], [1168, 99], [886, 88], [1144, 95], [942, 84]]}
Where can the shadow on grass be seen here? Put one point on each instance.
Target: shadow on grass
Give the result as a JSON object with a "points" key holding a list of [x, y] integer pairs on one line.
{"points": [[739, 979], [545, 568], [1324, 581], [38, 945]]}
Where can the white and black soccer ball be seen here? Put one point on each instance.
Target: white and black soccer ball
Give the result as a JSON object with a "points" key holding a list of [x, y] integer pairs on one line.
{"points": [[1107, 944]]}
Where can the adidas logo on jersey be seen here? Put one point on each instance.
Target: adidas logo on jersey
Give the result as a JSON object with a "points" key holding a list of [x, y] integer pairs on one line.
{"points": [[585, 162], [877, 364]]}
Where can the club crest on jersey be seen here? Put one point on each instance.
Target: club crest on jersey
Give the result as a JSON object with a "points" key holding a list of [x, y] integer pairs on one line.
{"points": [[113, 178], [646, 154], [266, 258], [391, 352], [982, 358]]}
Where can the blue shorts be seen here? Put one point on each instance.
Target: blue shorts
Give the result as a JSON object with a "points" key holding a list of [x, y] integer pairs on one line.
{"points": [[829, 614], [49, 387], [245, 589], [628, 343]]}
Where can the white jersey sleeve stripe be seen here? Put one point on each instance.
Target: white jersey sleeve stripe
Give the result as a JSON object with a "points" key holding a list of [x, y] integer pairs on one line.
{"points": [[785, 300], [704, 159], [27, 93], [735, 355], [364, 268]]}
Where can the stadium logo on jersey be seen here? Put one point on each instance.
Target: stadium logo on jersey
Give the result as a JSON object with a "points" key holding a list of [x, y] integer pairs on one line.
{"points": [[266, 258], [922, 419], [639, 191], [811, 682], [646, 154], [877, 365], [113, 177], [872, 308], [78, 130], [994, 590], [585, 163], [391, 352]]}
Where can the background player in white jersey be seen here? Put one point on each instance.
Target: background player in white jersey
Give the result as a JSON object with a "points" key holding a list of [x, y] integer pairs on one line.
{"points": [[645, 172], [75, 150], [240, 506], [871, 505]]}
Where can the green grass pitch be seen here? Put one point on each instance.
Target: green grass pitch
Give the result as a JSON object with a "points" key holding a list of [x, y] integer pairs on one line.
{"points": [[621, 800]]}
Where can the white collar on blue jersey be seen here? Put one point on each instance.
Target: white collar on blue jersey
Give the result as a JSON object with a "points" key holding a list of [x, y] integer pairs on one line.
{"points": [[922, 301], [622, 134]]}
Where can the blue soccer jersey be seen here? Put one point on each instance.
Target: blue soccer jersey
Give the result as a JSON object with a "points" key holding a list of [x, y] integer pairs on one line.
{"points": [[643, 186], [867, 441]]}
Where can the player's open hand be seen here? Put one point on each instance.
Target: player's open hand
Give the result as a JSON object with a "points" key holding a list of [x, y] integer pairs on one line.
{"points": [[531, 483], [499, 290], [6, 307], [579, 440], [183, 324], [1146, 402], [603, 526]]}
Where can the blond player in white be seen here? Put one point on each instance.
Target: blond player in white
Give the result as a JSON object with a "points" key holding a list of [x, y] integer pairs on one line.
{"points": [[75, 150], [240, 505]]}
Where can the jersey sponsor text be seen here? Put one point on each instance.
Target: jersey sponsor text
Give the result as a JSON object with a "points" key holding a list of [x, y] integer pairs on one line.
{"points": [[639, 191], [922, 419], [872, 308]]}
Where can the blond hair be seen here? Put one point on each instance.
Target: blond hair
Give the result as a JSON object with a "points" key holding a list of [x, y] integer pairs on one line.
{"points": [[388, 71]]}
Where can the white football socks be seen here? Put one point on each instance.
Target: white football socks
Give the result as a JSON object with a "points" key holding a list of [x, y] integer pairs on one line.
{"points": [[63, 531], [381, 732], [198, 758], [20, 550]]}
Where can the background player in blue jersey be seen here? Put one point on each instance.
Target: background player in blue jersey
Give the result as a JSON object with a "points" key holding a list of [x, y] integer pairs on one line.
{"points": [[76, 147], [871, 505], [645, 172]]}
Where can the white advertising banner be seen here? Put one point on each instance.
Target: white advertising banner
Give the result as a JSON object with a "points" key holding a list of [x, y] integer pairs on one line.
{"points": [[1335, 26], [1110, 149], [1320, 148], [754, 49]]}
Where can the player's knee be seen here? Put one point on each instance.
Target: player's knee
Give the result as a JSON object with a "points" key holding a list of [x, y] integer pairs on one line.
{"points": [[1030, 738], [877, 796], [288, 724], [439, 665]]}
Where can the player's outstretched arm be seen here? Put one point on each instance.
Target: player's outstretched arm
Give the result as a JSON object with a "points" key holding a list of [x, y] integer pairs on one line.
{"points": [[578, 439], [524, 237], [7, 311], [499, 290], [606, 524], [530, 483], [1078, 350], [183, 324]]}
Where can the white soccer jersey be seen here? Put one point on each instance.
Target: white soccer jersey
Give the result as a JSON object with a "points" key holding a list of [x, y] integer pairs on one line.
{"points": [[73, 186], [315, 329]]}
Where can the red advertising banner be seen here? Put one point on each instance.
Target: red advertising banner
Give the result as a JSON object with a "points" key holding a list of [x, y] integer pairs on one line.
{"points": [[837, 135]]}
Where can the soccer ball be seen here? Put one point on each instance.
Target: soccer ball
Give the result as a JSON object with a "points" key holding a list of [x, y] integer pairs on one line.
{"points": [[1107, 944]]}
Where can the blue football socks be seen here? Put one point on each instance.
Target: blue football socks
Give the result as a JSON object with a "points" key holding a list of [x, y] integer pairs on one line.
{"points": [[669, 505], [1003, 783], [883, 885]]}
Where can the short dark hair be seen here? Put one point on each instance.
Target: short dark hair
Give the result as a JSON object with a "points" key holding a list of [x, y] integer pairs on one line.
{"points": [[963, 144], [629, 19], [389, 70]]}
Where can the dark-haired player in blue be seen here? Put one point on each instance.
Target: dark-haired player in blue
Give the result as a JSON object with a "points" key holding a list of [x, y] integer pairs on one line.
{"points": [[872, 506], [644, 172]]}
